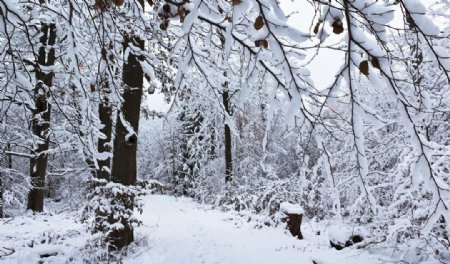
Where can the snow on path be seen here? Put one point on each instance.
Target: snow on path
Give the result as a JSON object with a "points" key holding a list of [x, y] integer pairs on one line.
{"points": [[179, 231]]}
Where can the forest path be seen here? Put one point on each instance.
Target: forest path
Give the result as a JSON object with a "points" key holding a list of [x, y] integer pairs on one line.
{"points": [[180, 231]]}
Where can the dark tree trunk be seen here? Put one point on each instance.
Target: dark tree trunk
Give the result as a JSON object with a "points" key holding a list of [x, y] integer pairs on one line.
{"points": [[2, 202], [104, 144], [1, 196], [9, 164], [125, 141], [41, 118], [228, 153]]}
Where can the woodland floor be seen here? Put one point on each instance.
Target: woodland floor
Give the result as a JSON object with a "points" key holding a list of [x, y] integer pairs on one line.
{"points": [[175, 231]]}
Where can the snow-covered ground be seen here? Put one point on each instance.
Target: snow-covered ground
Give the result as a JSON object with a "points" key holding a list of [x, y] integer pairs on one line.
{"points": [[179, 231], [51, 237], [175, 231]]}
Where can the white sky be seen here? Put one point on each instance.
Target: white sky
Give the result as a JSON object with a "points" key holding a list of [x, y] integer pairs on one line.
{"points": [[324, 67]]}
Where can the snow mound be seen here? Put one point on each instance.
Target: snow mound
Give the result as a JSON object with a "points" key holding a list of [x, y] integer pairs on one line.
{"points": [[291, 208]]}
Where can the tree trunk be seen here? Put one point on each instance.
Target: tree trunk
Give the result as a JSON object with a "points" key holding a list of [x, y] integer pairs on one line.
{"points": [[9, 163], [104, 143], [125, 141], [228, 156], [41, 118], [127, 124], [2, 202], [1, 196]]}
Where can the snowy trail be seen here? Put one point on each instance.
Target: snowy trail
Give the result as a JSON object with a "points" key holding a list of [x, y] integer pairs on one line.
{"points": [[179, 231]]}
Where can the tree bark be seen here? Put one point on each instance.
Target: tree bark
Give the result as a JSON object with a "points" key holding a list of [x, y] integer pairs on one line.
{"points": [[2, 202], [1, 196], [105, 115], [41, 118], [228, 153], [127, 125], [9, 164]]}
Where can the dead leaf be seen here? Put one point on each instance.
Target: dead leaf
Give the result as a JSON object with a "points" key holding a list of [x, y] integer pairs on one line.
{"points": [[236, 2], [364, 67], [111, 58], [118, 2], [103, 52], [375, 63], [259, 22], [337, 25], [166, 8], [316, 28], [164, 25], [262, 42]]}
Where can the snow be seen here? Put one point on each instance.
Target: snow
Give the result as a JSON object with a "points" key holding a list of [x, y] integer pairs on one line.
{"points": [[340, 233], [32, 236], [291, 208], [179, 230], [192, 16], [402, 183]]}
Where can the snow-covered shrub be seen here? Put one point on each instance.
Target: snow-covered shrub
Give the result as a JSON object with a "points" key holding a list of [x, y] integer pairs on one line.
{"points": [[110, 210]]}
